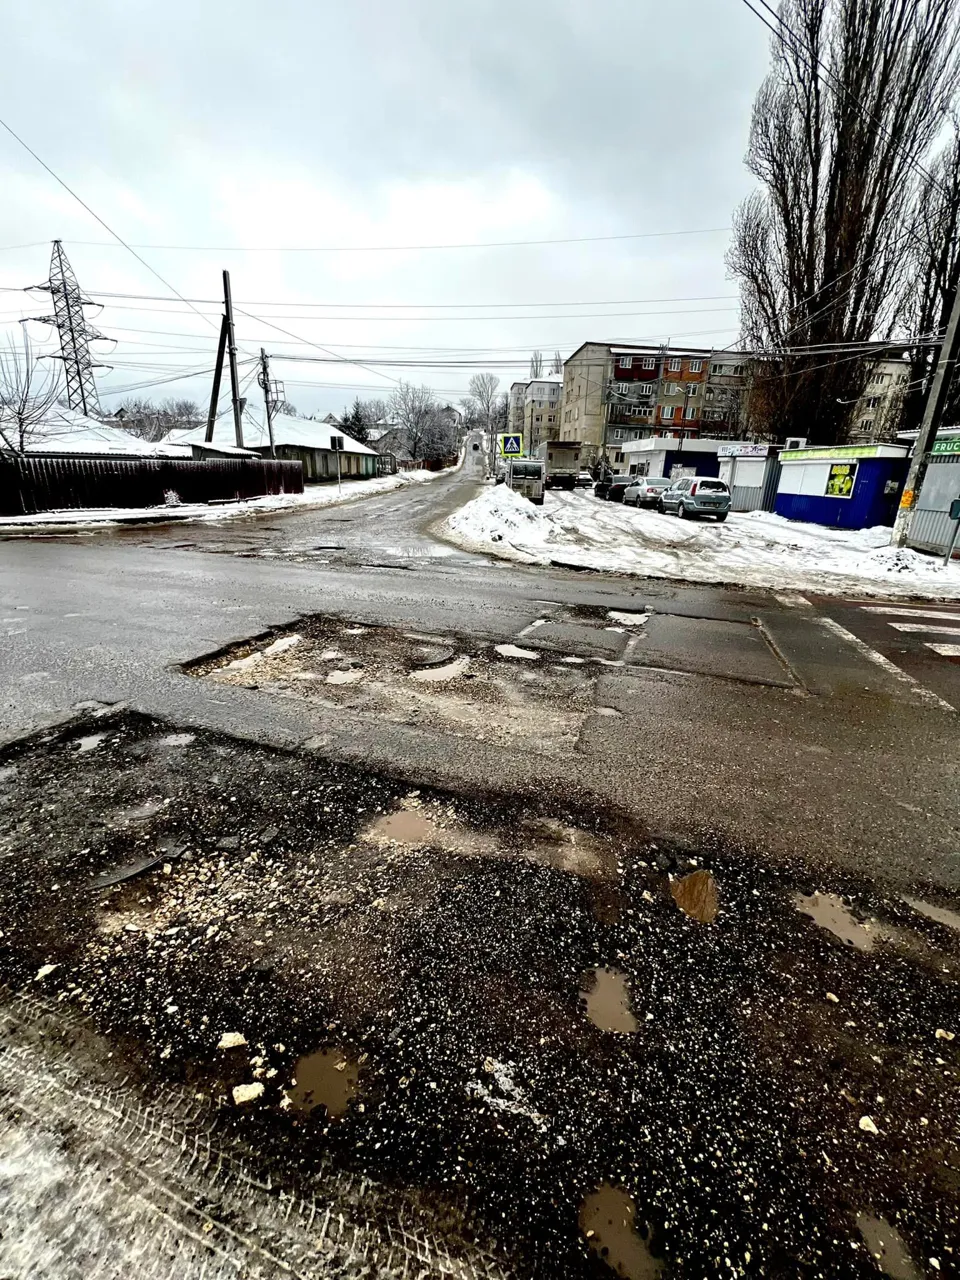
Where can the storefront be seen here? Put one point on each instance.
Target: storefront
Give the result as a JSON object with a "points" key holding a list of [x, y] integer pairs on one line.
{"points": [[751, 472], [843, 486], [931, 527]]}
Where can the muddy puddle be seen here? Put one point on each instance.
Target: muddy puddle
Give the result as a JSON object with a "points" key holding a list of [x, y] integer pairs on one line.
{"points": [[697, 896], [941, 915], [830, 912], [454, 683], [327, 1078], [606, 995], [887, 1248], [608, 1219]]}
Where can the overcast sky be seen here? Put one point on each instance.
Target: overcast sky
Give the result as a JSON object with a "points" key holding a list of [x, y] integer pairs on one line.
{"points": [[333, 123]]}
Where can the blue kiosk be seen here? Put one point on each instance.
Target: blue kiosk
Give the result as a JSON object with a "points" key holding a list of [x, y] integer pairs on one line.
{"points": [[853, 486]]}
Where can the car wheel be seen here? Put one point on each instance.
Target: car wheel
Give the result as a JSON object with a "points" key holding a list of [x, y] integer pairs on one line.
{"points": [[660, 507], [721, 518], [682, 511]]}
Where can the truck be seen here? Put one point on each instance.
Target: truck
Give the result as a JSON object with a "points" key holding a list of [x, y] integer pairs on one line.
{"points": [[561, 461], [525, 476]]}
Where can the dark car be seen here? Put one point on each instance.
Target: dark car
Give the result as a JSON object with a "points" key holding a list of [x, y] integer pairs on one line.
{"points": [[616, 490], [601, 487]]}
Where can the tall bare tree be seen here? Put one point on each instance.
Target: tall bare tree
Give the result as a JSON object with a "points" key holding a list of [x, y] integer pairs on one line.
{"points": [[28, 394], [536, 364], [556, 364], [416, 412], [858, 90], [933, 274], [149, 421], [483, 393]]}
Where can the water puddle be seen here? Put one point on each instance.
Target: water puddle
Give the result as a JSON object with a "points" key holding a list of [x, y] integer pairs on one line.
{"points": [[345, 677], [832, 913], [281, 645], [89, 743], [696, 894], [628, 619], [449, 671], [607, 997], [511, 651], [608, 1220], [177, 740], [887, 1248], [326, 1079], [940, 914]]}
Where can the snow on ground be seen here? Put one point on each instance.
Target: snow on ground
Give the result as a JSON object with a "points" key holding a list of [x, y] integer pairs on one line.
{"points": [[753, 549], [325, 495]]}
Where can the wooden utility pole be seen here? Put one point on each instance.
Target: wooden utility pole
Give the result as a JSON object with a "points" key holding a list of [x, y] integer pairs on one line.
{"points": [[217, 375], [937, 392], [264, 381], [232, 354]]}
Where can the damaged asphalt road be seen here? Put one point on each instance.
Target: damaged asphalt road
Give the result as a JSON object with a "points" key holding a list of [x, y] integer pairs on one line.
{"points": [[518, 1019]]}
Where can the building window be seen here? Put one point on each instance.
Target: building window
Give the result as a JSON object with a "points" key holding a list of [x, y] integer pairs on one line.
{"points": [[625, 362], [646, 411], [675, 365], [623, 388], [690, 412], [696, 366], [618, 435], [866, 424], [693, 389], [649, 362], [666, 413], [618, 457], [538, 418], [671, 389]]}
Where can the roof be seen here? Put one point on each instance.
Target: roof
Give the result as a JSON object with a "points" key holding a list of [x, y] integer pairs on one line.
{"points": [[299, 433], [66, 431], [668, 444]]}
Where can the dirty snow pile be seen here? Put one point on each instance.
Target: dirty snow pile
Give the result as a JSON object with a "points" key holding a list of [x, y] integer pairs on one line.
{"points": [[323, 495], [754, 549]]}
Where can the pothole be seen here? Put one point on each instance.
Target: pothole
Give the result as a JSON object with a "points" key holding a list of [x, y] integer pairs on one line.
{"points": [[608, 1219], [607, 998], [830, 912], [327, 1078], [696, 895], [887, 1248], [942, 915]]}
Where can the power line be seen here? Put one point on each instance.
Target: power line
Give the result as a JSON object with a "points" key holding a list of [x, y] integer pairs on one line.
{"points": [[405, 248], [96, 216], [412, 306], [326, 350]]}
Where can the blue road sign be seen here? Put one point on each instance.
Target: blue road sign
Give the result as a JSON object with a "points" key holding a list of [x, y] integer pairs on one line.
{"points": [[511, 446]]}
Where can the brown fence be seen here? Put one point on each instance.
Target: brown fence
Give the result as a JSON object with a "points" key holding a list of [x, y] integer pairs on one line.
{"points": [[40, 482]]}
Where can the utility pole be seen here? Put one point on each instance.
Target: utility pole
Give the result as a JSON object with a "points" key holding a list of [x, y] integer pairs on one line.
{"points": [[232, 354], [268, 397], [217, 375], [932, 420]]}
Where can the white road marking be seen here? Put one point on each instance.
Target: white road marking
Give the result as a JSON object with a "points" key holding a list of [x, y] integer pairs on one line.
{"points": [[945, 650], [921, 692], [923, 626], [911, 613]]}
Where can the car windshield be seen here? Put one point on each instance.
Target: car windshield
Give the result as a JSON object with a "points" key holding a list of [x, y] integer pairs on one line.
{"points": [[713, 486]]}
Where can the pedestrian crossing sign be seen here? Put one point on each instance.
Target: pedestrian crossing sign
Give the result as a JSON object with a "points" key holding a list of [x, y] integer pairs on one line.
{"points": [[511, 446]]}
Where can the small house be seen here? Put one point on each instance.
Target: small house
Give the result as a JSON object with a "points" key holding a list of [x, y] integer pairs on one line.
{"points": [[842, 486], [751, 473]]}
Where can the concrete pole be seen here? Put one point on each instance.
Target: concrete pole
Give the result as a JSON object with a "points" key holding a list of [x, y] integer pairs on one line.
{"points": [[932, 421], [267, 403], [232, 353]]}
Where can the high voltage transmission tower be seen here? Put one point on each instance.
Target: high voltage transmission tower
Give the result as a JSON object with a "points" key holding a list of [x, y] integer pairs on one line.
{"points": [[75, 332]]}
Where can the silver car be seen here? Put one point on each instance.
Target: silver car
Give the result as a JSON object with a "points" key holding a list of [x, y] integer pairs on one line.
{"points": [[645, 491], [696, 496]]}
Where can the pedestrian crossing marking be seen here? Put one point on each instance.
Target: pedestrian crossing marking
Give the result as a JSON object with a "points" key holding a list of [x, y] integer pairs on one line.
{"points": [[945, 650], [911, 613], [931, 629]]}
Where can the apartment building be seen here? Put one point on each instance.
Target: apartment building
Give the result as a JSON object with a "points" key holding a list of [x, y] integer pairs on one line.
{"points": [[623, 392], [876, 415], [541, 410], [515, 404]]}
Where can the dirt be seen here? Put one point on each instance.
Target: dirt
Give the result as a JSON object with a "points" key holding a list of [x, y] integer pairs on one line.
{"points": [[831, 913], [448, 968], [456, 683], [607, 999]]}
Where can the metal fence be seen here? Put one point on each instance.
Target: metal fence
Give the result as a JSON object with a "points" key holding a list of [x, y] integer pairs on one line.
{"points": [[41, 482]]}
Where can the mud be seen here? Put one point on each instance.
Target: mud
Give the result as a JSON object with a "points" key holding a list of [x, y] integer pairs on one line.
{"points": [[608, 1221], [449, 968], [327, 1079], [607, 999], [831, 913]]}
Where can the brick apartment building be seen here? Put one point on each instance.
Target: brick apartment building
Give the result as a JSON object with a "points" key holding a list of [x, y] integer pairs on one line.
{"points": [[629, 392]]}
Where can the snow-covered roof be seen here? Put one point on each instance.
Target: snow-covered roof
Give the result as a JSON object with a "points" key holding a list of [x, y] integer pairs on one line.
{"points": [[302, 433], [655, 444], [66, 431]]}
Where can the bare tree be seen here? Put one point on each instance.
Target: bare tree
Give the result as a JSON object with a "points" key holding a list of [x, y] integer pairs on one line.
{"points": [[932, 275], [29, 392], [287, 407], [536, 365], [858, 90], [483, 393], [149, 421], [556, 364], [375, 411], [415, 410]]}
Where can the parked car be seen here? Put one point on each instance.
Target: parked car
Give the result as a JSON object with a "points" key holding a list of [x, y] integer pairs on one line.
{"points": [[646, 491], [616, 490], [601, 487], [695, 496], [584, 480]]}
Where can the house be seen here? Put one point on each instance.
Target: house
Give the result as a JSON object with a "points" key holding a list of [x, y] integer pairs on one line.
{"points": [[65, 431], [613, 393], [295, 440]]}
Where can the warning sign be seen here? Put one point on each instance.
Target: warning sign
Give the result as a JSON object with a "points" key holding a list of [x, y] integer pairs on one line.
{"points": [[511, 446], [842, 478]]}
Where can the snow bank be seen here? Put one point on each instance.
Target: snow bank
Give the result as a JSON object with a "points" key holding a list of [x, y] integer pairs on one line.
{"points": [[314, 496], [755, 549]]}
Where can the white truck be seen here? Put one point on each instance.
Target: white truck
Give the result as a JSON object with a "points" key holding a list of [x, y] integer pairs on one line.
{"points": [[561, 462]]}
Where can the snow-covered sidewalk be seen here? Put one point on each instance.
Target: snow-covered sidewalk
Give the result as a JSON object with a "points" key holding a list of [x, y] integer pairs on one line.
{"points": [[755, 549], [325, 495]]}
